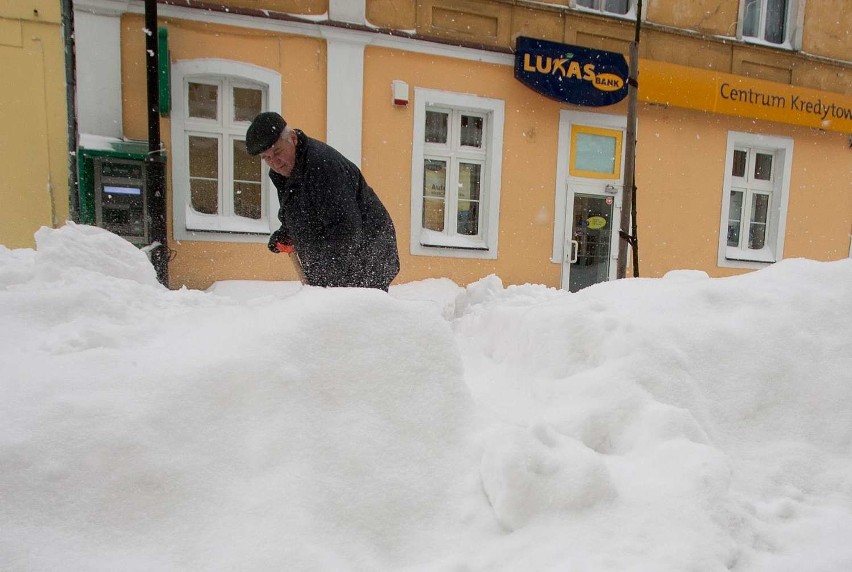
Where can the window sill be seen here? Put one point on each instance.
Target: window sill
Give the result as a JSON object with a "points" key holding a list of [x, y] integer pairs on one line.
{"points": [[196, 222], [480, 248], [629, 15], [436, 244], [755, 259], [451, 252], [763, 255], [430, 238], [220, 236], [786, 46]]}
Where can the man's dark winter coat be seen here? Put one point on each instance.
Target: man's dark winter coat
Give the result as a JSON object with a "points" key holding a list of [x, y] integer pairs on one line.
{"points": [[341, 231]]}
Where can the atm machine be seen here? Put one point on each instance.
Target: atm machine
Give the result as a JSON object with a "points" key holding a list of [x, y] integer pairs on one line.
{"points": [[121, 198], [113, 188]]}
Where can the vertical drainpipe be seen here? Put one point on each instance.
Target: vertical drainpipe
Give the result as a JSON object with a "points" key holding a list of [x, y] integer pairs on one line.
{"points": [[155, 163], [71, 107]]}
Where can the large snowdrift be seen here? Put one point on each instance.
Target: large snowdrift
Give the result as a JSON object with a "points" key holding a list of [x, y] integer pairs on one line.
{"points": [[682, 423]]}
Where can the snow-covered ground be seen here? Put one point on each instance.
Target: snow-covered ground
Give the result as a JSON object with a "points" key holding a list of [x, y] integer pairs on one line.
{"points": [[656, 425]]}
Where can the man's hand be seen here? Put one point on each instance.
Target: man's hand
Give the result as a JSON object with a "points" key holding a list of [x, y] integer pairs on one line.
{"points": [[280, 242]]}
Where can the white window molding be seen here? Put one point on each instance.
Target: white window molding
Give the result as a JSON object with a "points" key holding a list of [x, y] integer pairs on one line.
{"points": [[760, 22], [224, 226], [754, 200], [486, 161]]}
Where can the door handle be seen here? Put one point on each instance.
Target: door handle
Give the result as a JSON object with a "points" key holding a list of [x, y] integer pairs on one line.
{"points": [[575, 251]]}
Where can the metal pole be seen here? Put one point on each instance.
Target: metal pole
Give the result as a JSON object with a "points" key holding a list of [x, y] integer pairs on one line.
{"points": [[628, 206], [71, 105], [155, 164]]}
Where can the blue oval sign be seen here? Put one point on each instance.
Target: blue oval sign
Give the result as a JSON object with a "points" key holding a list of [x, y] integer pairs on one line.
{"points": [[573, 74]]}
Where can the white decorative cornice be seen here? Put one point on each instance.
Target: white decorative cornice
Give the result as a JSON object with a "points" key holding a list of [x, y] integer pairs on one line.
{"points": [[107, 7], [314, 29]]}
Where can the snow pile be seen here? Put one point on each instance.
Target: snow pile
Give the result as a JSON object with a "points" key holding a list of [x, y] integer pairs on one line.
{"points": [[714, 416], [196, 433], [527, 474], [80, 251], [684, 423]]}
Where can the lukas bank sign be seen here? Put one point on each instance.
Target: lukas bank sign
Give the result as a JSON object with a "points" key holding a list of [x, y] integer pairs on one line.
{"points": [[573, 74]]}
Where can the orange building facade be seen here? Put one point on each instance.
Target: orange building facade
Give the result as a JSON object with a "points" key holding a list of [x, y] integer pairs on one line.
{"points": [[742, 149]]}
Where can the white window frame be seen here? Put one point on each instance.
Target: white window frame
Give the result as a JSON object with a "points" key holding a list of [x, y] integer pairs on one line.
{"points": [[431, 243], [793, 25], [189, 224], [601, 9], [781, 148]]}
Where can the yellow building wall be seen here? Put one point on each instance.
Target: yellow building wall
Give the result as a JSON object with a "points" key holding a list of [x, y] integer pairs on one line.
{"points": [[33, 148], [828, 35], [529, 163], [680, 158], [301, 63], [679, 196], [680, 172], [712, 17], [819, 219]]}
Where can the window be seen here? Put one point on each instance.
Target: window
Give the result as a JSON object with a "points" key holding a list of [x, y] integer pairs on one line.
{"points": [[456, 174], [620, 7], [754, 205], [767, 21], [595, 152], [221, 192]]}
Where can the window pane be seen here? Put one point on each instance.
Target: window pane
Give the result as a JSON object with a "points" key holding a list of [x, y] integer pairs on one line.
{"points": [[587, 3], [468, 204], [735, 213], [617, 6], [434, 178], [247, 201], [436, 127], [468, 218], [204, 195], [757, 236], [247, 103], [433, 214], [204, 174], [776, 16], [595, 153], [246, 167], [469, 181], [763, 167], [247, 189], [434, 194], [203, 100], [203, 157], [471, 131], [751, 18], [740, 158], [757, 224]]}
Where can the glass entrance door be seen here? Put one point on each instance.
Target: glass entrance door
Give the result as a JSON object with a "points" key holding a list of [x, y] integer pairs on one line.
{"points": [[591, 237], [586, 231]]}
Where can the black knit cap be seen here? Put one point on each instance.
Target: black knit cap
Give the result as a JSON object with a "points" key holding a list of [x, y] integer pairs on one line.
{"points": [[264, 131]]}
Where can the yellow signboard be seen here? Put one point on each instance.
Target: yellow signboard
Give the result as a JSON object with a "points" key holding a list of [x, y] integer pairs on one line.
{"points": [[729, 94]]}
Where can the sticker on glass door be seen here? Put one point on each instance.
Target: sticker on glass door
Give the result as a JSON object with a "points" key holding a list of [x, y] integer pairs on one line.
{"points": [[590, 243]]}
